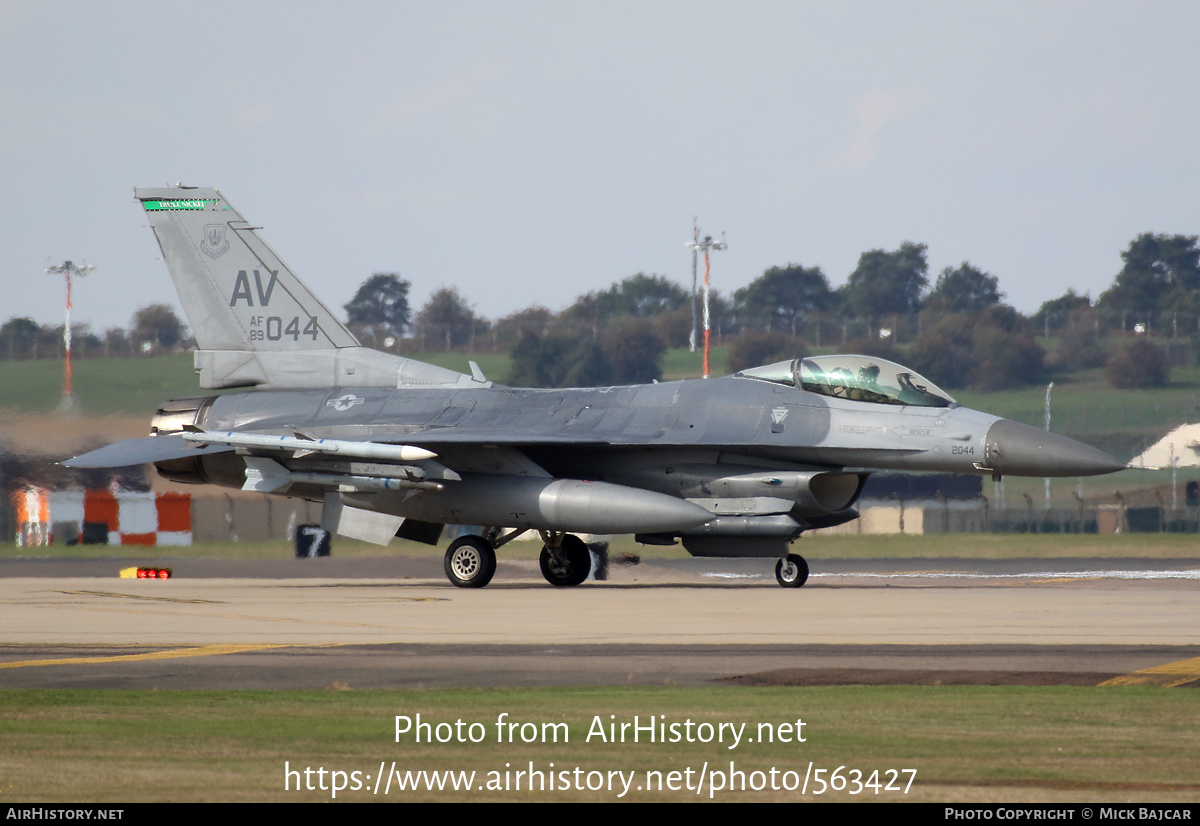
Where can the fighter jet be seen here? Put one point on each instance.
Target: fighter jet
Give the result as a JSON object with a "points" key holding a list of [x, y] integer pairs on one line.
{"points": [[738, 466]]}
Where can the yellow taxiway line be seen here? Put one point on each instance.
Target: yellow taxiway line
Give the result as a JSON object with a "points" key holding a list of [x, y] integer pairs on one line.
{"points": [[1167, 676], [171, 654]]}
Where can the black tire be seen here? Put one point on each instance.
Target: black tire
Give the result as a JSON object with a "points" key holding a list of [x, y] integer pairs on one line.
{"points": [[574, 566], [470, 562], [793, 574]]}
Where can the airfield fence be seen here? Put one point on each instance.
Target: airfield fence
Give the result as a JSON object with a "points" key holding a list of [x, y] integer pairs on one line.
{"points": [[220, 518]]}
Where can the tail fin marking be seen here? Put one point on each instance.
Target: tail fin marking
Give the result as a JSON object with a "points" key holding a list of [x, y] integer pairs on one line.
{"points": [[236, 292], [256, 323]]}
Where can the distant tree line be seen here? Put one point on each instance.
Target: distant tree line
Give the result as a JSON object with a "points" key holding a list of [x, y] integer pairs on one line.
{"points": [[957, 330], [153, 330]]}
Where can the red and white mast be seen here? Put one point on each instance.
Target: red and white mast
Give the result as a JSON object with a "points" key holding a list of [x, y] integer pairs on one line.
{"points": [[67, 269], [705, 246]]}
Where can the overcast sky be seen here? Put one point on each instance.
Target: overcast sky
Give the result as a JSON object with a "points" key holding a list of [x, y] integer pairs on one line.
{"points": [[528, 152]]}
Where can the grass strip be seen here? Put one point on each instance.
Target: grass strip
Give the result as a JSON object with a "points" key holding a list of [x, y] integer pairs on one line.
{"points": [[968, 744]]}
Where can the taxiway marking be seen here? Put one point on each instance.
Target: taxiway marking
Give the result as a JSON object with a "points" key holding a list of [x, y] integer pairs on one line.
{"points": [[116, 595], [1165, 676], [176, 653]]}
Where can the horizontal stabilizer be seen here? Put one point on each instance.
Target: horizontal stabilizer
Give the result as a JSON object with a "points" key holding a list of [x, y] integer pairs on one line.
{"points": [[142, 451]]}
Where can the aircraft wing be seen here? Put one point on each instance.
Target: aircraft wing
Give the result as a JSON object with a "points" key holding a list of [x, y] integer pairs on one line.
{"points": [[462, 436], [408, 447]]}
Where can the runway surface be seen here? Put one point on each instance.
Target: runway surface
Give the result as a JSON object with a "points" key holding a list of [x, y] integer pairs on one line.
{"points": [[395, 622]]}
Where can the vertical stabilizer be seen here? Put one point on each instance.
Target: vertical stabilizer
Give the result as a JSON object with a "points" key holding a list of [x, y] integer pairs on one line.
{"points": [[255, 322], [236, 292]]}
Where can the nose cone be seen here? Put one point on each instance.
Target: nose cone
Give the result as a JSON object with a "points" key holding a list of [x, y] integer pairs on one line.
{"points": [[1017, 449]]}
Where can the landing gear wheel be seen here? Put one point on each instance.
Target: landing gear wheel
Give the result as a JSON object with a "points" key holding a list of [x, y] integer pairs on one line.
{"points": [[470, 562], [573, 564], [792, 571]]}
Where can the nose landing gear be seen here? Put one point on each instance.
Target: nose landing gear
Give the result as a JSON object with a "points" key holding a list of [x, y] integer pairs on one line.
{"points": [[791, 571]]}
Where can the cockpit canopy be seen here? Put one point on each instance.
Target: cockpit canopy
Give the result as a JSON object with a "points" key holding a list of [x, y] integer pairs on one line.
{"points": [[857, 378]]}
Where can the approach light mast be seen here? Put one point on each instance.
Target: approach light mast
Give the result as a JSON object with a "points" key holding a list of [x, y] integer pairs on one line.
{"points": [[67, 269], [704, 246]]}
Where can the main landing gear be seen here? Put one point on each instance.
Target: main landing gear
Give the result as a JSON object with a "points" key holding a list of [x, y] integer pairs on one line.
{"points": [[567, 564], [791, 571], [471, 560]]}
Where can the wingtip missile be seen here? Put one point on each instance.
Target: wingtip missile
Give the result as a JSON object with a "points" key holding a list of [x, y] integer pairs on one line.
{"points": [[341, 447]]}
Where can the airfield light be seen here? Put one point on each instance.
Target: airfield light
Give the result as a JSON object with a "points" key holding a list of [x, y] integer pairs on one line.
{"points": [[705, 245], [146, 573], [67, 269]]}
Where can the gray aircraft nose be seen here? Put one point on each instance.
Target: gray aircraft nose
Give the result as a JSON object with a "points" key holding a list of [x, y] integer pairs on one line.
{"points": [[1021, 450]]}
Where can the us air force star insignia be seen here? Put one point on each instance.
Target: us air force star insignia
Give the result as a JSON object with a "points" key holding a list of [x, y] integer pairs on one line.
{"points": [[778, 415], [345, 402], [214, 244]]}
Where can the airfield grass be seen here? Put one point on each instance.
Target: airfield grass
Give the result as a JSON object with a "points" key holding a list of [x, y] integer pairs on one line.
{"points": [[967, 744], [103, 387]]}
